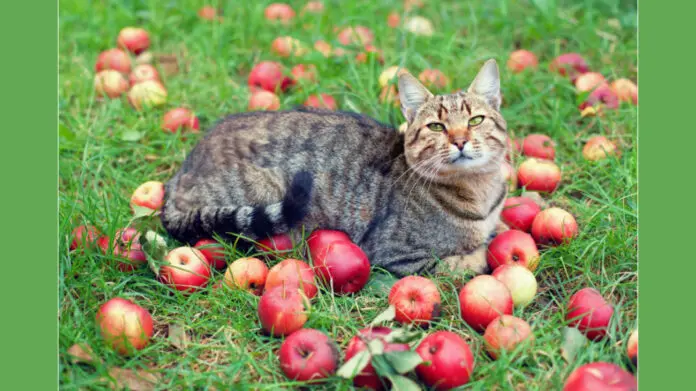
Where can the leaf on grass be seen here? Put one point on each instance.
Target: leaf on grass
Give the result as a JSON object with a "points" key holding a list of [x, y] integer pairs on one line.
{"points": [[375, 347], [355, 365], [380, 284], [403, 362], [155, 248], [177, 336], [402, 383], [573, 340], [402, 335], [82, 353], [382, 367], [136, 380], [131, 135], [141, 211], [385, 316]]}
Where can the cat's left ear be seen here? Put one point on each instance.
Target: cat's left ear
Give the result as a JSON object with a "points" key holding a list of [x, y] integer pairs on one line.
{"points": [[412, 95], [487, 84]]}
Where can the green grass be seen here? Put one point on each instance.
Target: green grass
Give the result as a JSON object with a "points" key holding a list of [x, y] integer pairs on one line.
{"points": [[102, 160]]}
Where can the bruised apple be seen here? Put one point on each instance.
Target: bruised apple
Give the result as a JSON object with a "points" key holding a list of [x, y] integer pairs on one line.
{"points": [[288, 46]]}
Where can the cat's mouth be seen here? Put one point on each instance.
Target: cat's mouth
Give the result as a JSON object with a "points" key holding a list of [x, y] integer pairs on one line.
{"points": [[461, 159]]}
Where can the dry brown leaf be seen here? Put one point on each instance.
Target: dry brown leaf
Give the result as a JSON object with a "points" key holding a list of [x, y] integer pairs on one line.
{"points": [[169, 63], [177, 336], [136, 380], [82, 353]]}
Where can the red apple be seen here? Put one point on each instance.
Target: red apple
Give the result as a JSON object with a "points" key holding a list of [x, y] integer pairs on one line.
{"points": [[84, 236], [320, 238], [247, 273], [522, 59], [280, 12], [367, 378], [483, 299], [598, 148], [540, 146], [433, 78], [185, 269], [519, 213], [554, 226], [115, 59], [520, 281], [625, 90], [304, 73], [278, 245], [393, 20], [589, 312], [538, 175], [358, 35], [213, 252], [143, 72], [632, 347], [126, 245], [208, 13], [600, 97], [343, 266], [416, 300], [264, 100], [448, 361], [569, 64], [321, 101], [268, 75], [110, 83], [314, 7], [362, 57], [505, 333], [133, 39], [292, 272], [124, 325], [589, 81], [323, 47], [513, 247], [600, 376], [180, 118], [148, 195], [308, 354], [288, 46], [147, 94], [282, 310]]}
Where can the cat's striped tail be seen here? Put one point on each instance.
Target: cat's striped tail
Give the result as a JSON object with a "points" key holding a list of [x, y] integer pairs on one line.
{"points": [[254, 222]]}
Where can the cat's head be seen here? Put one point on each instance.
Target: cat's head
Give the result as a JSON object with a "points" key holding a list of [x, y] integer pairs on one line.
{"points": [[456, 134]]}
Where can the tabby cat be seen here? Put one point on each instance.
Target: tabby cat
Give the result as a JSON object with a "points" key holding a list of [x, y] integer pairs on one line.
{"points": [[411, 201]]}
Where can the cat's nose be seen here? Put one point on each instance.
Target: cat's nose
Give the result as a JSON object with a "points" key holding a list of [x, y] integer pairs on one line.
{"points": [[459, 143]]}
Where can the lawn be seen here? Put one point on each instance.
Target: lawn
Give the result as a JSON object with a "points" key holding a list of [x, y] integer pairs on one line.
{"points": [[107, 149]]}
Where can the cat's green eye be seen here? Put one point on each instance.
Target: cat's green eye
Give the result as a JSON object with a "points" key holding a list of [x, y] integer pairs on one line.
{"points": [[436, 127], [476, 120]]}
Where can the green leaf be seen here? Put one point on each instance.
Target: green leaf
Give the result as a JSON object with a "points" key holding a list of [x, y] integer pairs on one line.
{"points": [[573, 341], [375, 347], [385, 316], [380, 284], [355, 365], [141, 211], [382, 367], [155, 248], [582, 96], [131, 135], [403, 335], [402, 383], [403, 362]]}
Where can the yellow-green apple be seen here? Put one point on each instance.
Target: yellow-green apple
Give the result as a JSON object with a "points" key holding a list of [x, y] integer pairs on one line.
{"points": [[626, 90], [84, 236], [115, 59], [419, 25], [292, 273], [180, 118], [247, 273], [148, 195], [185, 269], [598, 148], [416, 300], [304, 74], [390, 75], [124, 325], [447, 360], [539, 146], [343, 266], [308, 354], [600, 376], [589, 81], [288, 46], [213, 252], [393, 20], [147, 94], [110, 83], [367, 378], [143, 72], [589, 312], [632, 347], [133, 39], [513, 247], [538, 175], [358, 35], [280, 12], [554, 226], [505, 333], [282, 310], [321, 101], [263, 100], [569, 64], [433, 78], [519, 213], [483, 299], [522, 59], [277, 245], [520, 281]]}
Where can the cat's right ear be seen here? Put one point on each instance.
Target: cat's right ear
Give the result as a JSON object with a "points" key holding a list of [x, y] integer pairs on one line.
{"points": [[412, 95]]}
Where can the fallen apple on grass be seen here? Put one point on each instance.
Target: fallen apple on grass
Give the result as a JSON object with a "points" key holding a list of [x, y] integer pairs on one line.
{"points": [[208, 13], [180, 118], [520, 281], [321, 101], [147, 94], [268, 75], [148, 195], [279, 12], [343, 266], [323, 47], [448, 361], [110, 83], [321, 238], [292, 273], [632, 347], [249, 274], [304, 74], [625, 90], [213, 252], [569, 64], [589, 81], [393, 20], [598, 148], [185, 269], [521, 59], [357, 35], [84, 236], [124, 325], [114, 59], [433, 78], [263, 100], [278, 245], [519, 213], [600, 376], [589, 312], [416, 300], [143, 72], [483, 299], [282, 310], [314, 7], [539, 146], [505, 333], [538, 175], [134, 39], [554, 226], [288, 46], [308, 354], [513, 247], [601, 97], [419, 25], [126, 245]]}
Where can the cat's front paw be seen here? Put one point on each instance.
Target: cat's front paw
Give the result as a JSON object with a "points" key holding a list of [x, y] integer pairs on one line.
{"points": [[475, 262]]}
